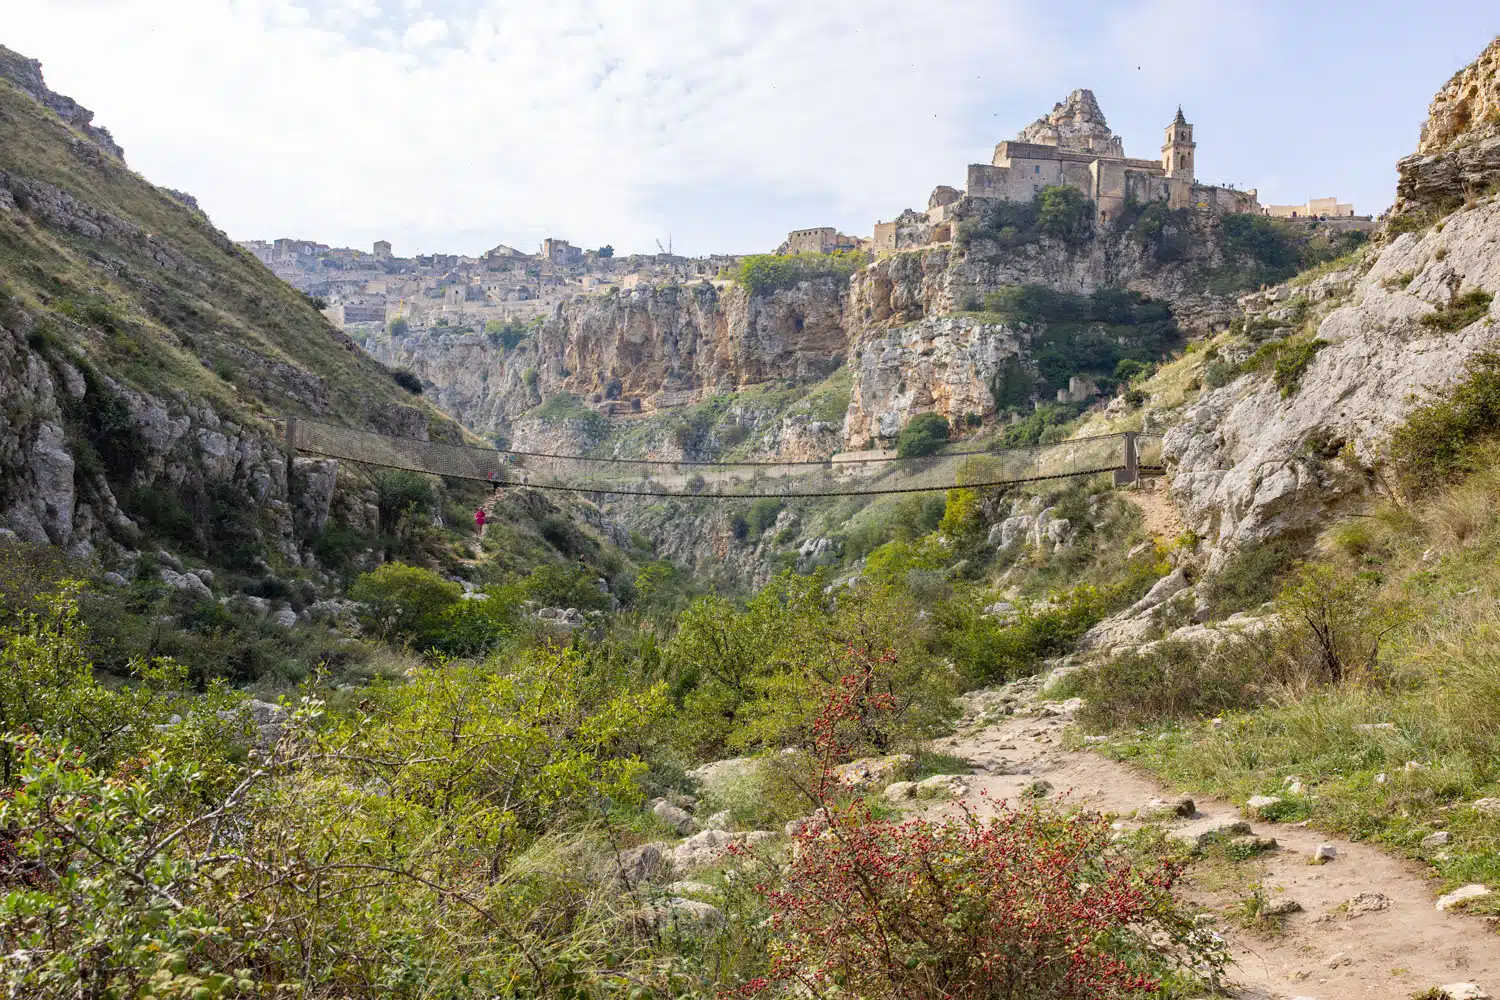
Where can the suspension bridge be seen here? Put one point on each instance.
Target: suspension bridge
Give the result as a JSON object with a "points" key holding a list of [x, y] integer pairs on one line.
{"points": [[1125, 457]]}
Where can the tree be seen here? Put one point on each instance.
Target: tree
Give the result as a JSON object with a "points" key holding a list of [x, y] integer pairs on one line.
{"points": [[606, 251], [406, 603], [923, 434], [1065, 213], [398, 326]]}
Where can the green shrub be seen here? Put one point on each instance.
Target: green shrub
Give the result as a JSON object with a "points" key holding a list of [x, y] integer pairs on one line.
{"points": [[923, 434], [763, 514], [398, 326], [407, 379], [1292, 362], [1461, 312], [1065, 213], [760, 273], [749, 678], [406, 603], [1171, 680], [506, 335], [566, 586], [1248, 578], [1438, 440], [1081, 334], [402, 497], [1061, 212]]}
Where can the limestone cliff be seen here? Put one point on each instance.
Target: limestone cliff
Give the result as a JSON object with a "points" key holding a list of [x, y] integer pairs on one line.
{"points": [[631, 352], [1251, 461], [912, 355], [1458, 156]]}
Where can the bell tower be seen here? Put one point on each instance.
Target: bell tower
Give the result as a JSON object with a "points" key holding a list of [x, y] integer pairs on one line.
{"points": [[1177, 154]]}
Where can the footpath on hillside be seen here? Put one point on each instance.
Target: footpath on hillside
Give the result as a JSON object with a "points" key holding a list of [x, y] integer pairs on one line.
{"points": [[1362, 926]]}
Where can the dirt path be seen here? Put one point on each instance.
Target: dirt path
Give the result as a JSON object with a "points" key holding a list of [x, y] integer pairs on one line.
{"points": [[1159, 516], [1322, 953]]}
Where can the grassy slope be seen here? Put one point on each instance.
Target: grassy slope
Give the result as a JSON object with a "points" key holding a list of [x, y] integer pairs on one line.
{"points": [[156, 327]]}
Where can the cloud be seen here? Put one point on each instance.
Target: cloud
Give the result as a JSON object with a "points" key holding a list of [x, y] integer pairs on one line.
{"points": [[458, 127], [428, 31]]}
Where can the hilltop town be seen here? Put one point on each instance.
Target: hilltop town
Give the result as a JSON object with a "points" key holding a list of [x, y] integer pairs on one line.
{"points": [[461, 293], [1072, 146]]}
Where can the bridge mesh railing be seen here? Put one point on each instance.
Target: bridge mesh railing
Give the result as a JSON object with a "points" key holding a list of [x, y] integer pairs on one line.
{"points": [[844, 475]]}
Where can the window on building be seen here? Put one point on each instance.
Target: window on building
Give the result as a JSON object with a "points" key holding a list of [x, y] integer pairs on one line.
{"points": [[1036, 170]]}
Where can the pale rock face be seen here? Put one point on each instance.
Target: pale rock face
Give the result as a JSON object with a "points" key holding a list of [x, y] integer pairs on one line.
{"points": [[1459, 152], [942, 365], [637, 351], [1076, 124], [1247, 465]]}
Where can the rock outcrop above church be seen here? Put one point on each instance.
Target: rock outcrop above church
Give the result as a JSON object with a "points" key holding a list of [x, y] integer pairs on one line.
{"points": [[1076, 125]]}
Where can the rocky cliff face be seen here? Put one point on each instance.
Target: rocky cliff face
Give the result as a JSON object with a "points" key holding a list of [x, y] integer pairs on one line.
{"points": [[911, 355], [26, 74], [632, 352], [939, 365], [142, 357], [1458, 156], [1248, 464]]}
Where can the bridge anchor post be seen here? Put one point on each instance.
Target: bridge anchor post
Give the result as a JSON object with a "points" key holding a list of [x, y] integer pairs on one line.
{"points": [[1130, 470]]}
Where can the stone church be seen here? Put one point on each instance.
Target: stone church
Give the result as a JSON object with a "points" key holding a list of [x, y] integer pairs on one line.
{"points": [[1072, 146]]}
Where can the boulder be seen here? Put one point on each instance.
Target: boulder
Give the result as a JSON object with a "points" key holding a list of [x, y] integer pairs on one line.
{"points": [[900, 791], [941, 786], [678, 819], [677, 916], [1196, 835], [1462, 895], [870, 773], [709, 847], [1259, 805], [639, 865], [1324, 853]]}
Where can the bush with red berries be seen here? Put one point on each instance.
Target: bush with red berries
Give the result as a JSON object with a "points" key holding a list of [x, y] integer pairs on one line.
{"points": [[1029, 904]]}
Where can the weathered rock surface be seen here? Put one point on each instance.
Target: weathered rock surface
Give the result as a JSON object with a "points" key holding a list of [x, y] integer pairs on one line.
{"points": [[1248, 465], [939, 365], [640, 350], [1458, 156]]}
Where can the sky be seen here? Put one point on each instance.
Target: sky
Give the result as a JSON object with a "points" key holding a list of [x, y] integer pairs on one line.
{"points": [[715, 126]]}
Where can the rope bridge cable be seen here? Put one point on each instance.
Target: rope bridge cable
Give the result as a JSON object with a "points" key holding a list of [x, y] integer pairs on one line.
{"points": [[848, 474]]}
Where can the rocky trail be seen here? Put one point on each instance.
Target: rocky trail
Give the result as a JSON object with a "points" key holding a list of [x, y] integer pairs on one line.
{"points": [[1365, 927]]}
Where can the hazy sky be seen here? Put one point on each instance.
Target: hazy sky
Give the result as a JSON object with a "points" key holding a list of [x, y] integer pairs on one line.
{"points": [[455, 125]]}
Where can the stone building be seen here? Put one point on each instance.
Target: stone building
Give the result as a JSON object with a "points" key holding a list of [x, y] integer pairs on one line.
{"points": [[561, 252], [382, 250], [1074, 147], [1316, 208], [823, 239]]}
